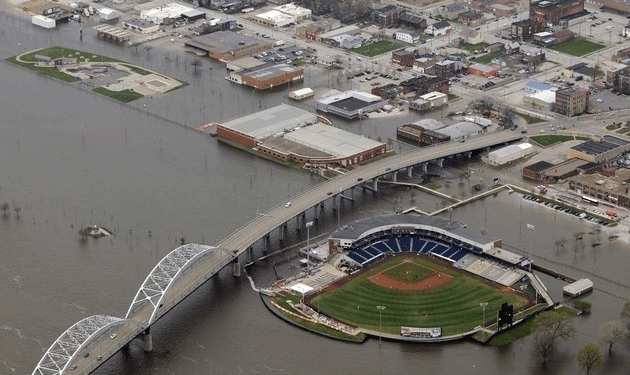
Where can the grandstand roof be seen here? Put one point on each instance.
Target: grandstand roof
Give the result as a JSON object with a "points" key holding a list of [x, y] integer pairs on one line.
{"points": [[358, 229]]}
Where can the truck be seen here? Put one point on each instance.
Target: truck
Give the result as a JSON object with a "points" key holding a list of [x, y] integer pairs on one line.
{"points": [[45, 22], [278, 43]]}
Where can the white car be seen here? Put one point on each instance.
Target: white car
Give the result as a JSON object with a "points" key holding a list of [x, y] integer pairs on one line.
{"points": [[600, 100], [288, 204]]}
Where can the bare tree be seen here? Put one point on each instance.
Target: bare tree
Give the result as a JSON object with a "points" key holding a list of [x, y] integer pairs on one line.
{"points": [[625, 311], [611, 333], [17, 210], [196, 63], [590, 358], [5, 207], [549, 329]]}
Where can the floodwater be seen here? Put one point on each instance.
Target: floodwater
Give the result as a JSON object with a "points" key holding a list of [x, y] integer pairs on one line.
{"points": [[69, 159]]}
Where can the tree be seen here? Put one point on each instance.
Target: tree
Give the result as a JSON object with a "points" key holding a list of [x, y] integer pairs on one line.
{"points": [[611, 333], [549, 328], [625, 311], [5, 207], [583, 306], [590, 358]]}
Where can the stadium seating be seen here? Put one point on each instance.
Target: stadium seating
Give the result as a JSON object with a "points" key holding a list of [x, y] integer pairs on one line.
{"points": [[417, 244], [428, 247], [439, 249], [393, 244], [382, 247], [405, 243], [372, 251], [458, 255], [449, 252], [354, 256]]}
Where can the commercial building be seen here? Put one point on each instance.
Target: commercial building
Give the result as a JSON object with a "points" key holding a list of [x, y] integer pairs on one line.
{"points": [[483, 70], [297, 12], [387, 16], [611, 189], [403, 57], [616, 6], [272, 76], [292, 134], [227, 45], [273, 18], [470, 18], [436, 98], [571, 101], [414, 21], [510, 153], [545, 100], [425, 84], [606, 149], [524, 30], [141, 26], [300, 94], [164, 14], [387, 92], [313, 30], [350, 104], [445, 69], [346, 41], [549, 12]]}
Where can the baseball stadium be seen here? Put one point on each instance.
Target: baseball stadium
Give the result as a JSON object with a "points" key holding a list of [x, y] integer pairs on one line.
{"points": [[418, 278]]}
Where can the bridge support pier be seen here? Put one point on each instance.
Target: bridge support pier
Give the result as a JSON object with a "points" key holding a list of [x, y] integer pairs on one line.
{"points": [[425, 167], [469, 154], [375, 184], [236, 268], [249, 254], [147, 341], [395, 176], [440, 162], [410, 172]]}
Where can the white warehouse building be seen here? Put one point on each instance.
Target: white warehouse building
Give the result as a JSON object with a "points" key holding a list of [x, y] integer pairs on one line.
{"points": [[510, 153]]}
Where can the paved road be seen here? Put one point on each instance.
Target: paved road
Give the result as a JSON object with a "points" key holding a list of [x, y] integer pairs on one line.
{"points": [[245, 237]]}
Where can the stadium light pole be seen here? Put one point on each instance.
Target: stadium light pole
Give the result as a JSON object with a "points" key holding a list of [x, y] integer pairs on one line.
{"points": [[380, 323], [531, 235], [483, 319], [308, 245]]}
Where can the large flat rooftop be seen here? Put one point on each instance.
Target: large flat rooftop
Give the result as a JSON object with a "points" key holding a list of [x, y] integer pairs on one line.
{"points": [[271, 121], [331, 140], [272, 71], [226, 41]]}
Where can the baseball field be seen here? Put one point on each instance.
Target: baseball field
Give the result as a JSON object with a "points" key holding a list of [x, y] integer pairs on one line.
{"points": [[415, 291]]}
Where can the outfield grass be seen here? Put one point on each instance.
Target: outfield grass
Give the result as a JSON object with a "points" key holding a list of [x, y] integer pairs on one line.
{"points": [[578, 47], [454, 307], [377, 48], [548, 140]]}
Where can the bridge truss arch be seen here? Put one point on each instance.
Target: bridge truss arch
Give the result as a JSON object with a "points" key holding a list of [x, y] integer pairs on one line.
{"points": [[173, 266], [75, 341]]}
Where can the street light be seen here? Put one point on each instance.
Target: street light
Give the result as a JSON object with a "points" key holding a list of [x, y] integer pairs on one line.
{"points": [[308, 247], [483, 306], [380, 313], [531, 227]]}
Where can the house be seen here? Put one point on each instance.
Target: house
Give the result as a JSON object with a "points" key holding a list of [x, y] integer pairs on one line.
{"points": [[424, 51], [403, 57], [413, 21], [512, 48], [494, 47], [471, 36], [534, 57], [470, 18], [439, 28], [411, 37], [563, 35]]}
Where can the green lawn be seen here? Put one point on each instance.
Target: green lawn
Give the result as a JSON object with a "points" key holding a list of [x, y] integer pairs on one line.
{"points": [[612, 127], [124, 96], [578, 47], [377, 48], [452, 97], [485, 59], [530, 119], [474, 47], [548, 140], [454, 307]]}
